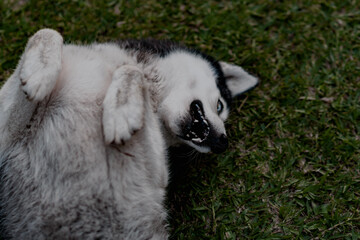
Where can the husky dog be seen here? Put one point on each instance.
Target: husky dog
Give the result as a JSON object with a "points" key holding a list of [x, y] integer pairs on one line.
{"points": [[84, 131], [191, 90]]}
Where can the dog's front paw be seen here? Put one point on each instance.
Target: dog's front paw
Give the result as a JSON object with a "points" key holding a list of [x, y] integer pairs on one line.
{"points": [[41, 64], [124, 105]]}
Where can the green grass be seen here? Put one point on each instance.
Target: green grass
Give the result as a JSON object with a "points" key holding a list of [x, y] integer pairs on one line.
{"points": [[293, 167]]}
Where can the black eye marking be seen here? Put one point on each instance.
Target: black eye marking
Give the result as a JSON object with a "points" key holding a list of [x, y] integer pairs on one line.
{"points": [[220, 106]]}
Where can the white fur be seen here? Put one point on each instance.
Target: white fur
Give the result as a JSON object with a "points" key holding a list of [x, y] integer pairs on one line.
{"points": [[238, 81], [188, 78], [82, 149], [42, 64], [121, 119], [59, 177]]}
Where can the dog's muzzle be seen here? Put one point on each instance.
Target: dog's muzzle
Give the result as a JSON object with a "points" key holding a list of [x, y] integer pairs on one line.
{"points": [[218, 144], [199, 129], [200, 132]]}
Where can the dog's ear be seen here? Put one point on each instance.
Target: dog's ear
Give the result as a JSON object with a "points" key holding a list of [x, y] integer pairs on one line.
{"points": [[237, 80]]}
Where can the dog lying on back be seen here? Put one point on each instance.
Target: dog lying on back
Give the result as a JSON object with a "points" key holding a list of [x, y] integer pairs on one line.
{"points": [[85, 131]]}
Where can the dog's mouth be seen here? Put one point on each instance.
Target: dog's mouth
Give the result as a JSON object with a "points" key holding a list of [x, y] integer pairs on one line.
{"points": [[200, 133], [198, 130]]}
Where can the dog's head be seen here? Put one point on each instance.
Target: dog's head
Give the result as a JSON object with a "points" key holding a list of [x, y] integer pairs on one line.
{"points": [[197, 97]]}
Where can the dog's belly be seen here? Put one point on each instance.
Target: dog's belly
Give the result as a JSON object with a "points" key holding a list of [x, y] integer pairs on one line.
{"points": [[87, 70], [62, 176]]}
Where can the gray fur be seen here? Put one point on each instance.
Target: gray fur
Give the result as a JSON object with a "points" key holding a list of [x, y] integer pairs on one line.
{"points": [[60, 180], [84, 131], [72, 191]]}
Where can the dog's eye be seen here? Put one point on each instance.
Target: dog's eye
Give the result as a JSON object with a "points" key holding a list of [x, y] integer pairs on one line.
{"points": [[220, 106]]}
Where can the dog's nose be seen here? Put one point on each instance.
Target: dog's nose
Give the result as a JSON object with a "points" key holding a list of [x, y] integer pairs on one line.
{"points": [[224, 140], [220, 145]]}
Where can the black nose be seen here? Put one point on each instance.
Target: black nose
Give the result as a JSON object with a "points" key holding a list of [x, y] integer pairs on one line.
{"points": [[220, 145]]}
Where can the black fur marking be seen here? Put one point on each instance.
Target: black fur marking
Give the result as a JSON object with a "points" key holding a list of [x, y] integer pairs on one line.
{"points": [[162, 48], [159, 48]]}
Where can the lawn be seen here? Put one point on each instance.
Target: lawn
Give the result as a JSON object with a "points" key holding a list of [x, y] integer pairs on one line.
{"points": [[292, 170]]}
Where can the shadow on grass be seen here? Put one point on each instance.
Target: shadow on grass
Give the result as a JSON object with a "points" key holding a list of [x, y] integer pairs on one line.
{"points": [[186, 176]]}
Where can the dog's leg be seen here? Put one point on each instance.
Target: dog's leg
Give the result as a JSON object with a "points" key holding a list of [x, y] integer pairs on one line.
{"points": [[42, 64], [33, 80], [124, 105]]}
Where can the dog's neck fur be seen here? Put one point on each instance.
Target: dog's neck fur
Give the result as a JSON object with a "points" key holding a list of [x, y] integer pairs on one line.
{"points": [[157, 89]]}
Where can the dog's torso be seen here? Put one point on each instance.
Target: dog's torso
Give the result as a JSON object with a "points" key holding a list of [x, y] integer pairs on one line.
{"points": [[61, 180], [84, 131]]}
